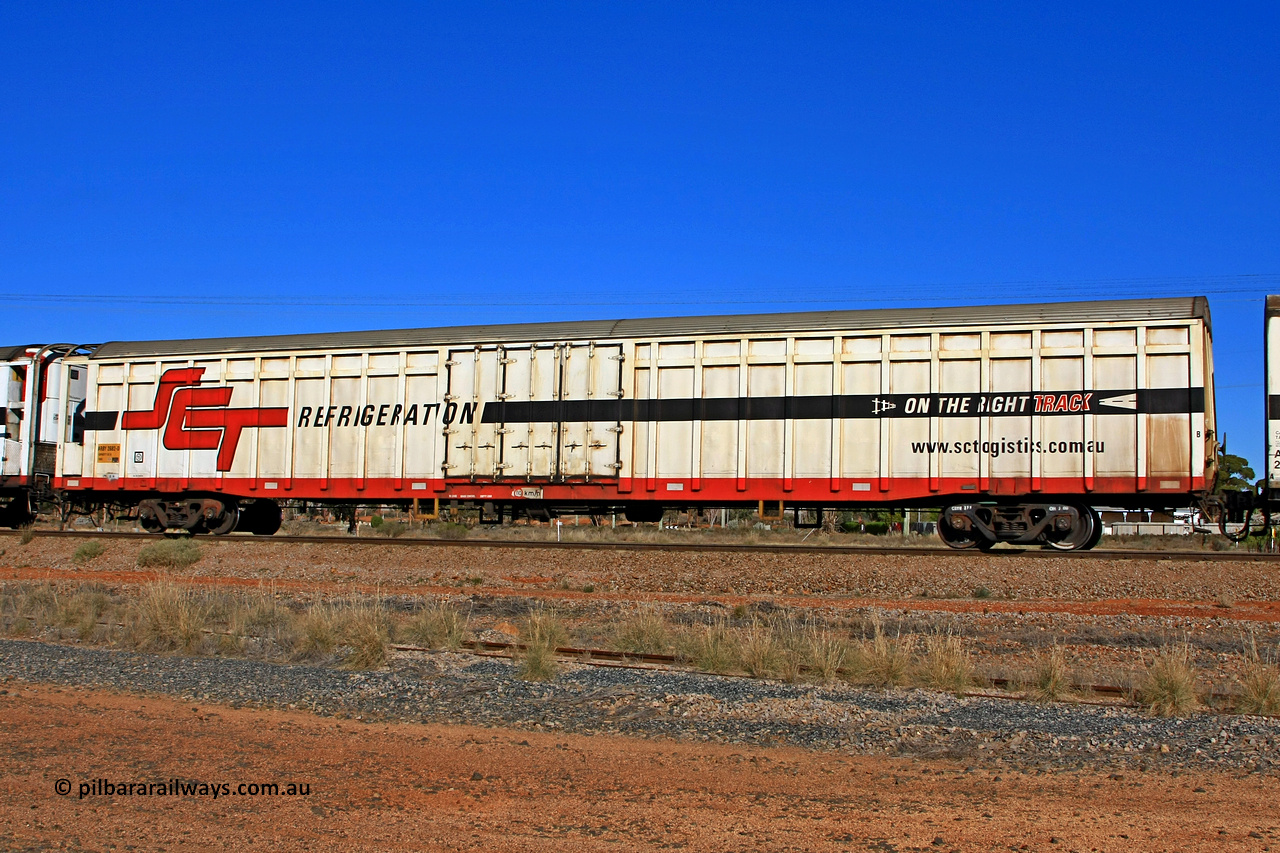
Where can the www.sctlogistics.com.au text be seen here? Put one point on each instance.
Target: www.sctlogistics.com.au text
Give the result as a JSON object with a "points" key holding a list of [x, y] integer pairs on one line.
{"points": [[182, 788], [996, 447]]}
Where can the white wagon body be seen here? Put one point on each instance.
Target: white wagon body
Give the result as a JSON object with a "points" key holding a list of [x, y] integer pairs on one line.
{"points": [[1104, 402]]}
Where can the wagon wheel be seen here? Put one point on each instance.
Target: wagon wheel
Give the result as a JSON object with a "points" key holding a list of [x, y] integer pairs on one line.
{"points": [[961, 540], [224, 523], [261, 518], [1097, 529], [1082, 536]]}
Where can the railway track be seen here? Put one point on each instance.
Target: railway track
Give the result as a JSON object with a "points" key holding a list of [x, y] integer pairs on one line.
{"points": [[1106, 694], [1109, 693], [697, 547]]}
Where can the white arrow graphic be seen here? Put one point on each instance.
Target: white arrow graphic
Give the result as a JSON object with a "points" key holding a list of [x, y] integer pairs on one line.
{"points": [[1123, 401]]}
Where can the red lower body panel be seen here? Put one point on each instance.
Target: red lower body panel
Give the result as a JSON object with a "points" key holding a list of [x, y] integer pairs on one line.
{"points": [[816, 491]]}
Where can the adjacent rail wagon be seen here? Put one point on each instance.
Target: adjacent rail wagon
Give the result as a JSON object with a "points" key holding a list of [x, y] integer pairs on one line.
{"points": [[1271, 345], [1016, 420]]}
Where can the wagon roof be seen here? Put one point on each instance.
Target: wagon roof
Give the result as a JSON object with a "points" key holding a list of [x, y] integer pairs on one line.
{"points": [[1056, 313], [11, 353]]}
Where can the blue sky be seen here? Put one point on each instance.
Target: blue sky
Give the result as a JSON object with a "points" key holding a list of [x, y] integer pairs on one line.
{"points": [[175, 170]]}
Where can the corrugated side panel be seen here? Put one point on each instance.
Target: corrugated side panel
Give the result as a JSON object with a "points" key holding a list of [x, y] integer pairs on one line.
{"points": [[1110, 405]]}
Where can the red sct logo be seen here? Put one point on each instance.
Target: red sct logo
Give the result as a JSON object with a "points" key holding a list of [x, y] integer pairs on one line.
{"points": [[198, 418]]}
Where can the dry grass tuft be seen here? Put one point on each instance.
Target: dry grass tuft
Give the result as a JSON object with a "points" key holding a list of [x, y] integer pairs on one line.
{"points": [[544, 628], [168, 617], [540, 635], [758, 651], [315, 633], [946, 665], [643, 632], [1051, 681], [1168, 686], [886, 661], [537, 663], [437, 625], [249, 613], [710, 649], [791, 640], [825, 654], [1260, 685], [82, 611], [365, 629], [38, 603]]}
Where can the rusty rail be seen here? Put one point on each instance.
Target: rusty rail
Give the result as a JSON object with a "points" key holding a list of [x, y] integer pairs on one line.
{"points": [[637, 660], [713, 548]]}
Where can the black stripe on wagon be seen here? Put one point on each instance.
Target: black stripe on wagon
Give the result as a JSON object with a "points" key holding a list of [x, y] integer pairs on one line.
{"points": [[1273, 407], [1171, 401], [100, 420], [1153, 401]]}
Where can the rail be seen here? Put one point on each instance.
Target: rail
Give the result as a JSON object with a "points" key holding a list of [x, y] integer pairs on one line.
{"points": [[1111, 693], [705, 547]]}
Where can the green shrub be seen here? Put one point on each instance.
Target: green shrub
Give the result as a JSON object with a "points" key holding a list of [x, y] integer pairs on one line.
{"points": [[169, 554], [452, 530], [376, 522], [87, 551]]}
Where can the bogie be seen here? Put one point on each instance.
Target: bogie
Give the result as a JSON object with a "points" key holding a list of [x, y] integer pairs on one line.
{"points": [[191, 513], [1060, 526]]}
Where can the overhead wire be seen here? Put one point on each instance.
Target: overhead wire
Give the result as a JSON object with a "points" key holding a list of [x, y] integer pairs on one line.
{"points": [[1225, 288]]}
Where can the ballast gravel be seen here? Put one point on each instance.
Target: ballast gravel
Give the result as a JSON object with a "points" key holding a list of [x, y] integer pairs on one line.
{"points": [[447, 687]]}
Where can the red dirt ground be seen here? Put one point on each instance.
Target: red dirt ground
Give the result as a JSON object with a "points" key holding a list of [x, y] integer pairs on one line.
{"points": [[428, 787], [1246, 611]]}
